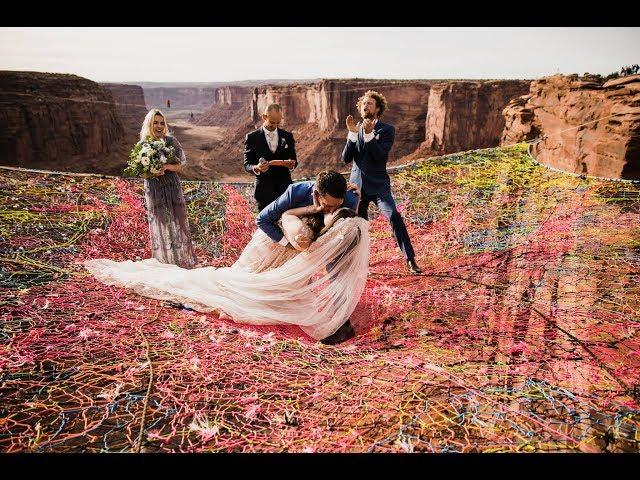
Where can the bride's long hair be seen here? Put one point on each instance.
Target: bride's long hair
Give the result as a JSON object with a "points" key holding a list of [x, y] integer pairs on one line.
{"points": [[341, 213], [147, 124], [316, 221]]}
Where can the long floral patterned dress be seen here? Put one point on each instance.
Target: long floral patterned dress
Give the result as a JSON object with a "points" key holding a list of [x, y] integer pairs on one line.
{"points": [[167, 216]]}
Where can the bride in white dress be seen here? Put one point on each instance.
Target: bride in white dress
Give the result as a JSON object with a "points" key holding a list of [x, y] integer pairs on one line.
{"points": [[315, 284]]}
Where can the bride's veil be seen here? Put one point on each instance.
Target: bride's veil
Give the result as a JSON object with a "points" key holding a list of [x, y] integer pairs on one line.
{"points": [[317, 289]]}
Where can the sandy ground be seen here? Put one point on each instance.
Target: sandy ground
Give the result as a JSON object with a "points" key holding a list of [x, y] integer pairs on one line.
{"points": [[197, 142], [184, 114]]}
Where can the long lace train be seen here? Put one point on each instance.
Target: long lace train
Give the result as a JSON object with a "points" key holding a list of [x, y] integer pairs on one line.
{"points": [[317, 289]]}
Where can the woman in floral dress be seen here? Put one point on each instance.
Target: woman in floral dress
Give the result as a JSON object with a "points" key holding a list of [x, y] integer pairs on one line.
{"points": [[166, 207]]}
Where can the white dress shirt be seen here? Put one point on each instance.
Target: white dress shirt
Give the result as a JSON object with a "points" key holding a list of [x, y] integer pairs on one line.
{"points": [[353, 136], [272, 139]]}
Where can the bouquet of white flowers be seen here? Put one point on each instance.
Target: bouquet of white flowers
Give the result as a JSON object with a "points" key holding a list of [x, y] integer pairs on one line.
{"points": [[148, 157]]}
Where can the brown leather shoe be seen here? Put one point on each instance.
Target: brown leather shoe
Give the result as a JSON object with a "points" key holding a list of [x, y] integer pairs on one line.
{"points": [[344, 333], [413, 266]]}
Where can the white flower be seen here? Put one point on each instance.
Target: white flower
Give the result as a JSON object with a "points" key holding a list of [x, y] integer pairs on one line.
{"points": [[204, 427], [111, 393]]}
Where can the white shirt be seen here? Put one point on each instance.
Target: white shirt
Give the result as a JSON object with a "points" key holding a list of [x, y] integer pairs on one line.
{"points": [[353, 136], [272, 139]]}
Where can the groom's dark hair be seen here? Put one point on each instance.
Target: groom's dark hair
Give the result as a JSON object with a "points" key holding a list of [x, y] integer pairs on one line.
{"points": [[332, 183]]}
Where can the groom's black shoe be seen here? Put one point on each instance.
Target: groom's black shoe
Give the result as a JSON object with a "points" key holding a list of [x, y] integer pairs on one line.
{"points": [[413, 266], [344, 333]]}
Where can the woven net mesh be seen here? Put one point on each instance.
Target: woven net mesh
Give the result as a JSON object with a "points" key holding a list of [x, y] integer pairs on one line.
{"points": [[520, 335]]}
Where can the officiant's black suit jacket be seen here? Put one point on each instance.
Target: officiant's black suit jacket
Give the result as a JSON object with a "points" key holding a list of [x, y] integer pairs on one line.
{"points": [[272, 183]]}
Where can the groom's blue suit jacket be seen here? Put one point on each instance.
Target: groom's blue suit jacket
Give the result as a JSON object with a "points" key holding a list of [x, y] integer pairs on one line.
{"points": [[369, 170], [297, 195]]}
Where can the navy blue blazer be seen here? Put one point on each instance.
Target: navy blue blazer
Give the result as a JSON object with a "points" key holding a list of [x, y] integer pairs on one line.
{"points": [[369, 170], [297, 195]]}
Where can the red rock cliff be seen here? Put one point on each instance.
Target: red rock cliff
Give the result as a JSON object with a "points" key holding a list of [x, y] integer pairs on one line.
{"points": [[437, 116], [465, 115], [607, 145], [59, 121], [231, 107]]}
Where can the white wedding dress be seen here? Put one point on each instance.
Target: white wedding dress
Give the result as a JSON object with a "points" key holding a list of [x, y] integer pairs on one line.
{"points": [[269, 284]]}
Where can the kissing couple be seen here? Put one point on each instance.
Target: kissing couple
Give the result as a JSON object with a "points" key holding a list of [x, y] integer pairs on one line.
{"points": [[306, 264]]}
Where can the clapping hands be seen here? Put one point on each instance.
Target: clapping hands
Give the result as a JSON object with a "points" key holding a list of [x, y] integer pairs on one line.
{"points": [[351, 124], [354, 127]]}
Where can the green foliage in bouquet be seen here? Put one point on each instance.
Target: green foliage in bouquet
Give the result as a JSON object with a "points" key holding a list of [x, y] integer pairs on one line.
{"points": [[148, 157]]}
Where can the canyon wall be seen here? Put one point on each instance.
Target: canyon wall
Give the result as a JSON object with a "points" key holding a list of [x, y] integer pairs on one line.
{"points": [[59, 121], [131, 108], [231, 106], [468, 115], [589, 126], [98, 124], [326, 105]]}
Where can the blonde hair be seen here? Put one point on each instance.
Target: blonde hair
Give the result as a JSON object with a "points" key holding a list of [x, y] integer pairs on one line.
{"points": [[147, 124]]}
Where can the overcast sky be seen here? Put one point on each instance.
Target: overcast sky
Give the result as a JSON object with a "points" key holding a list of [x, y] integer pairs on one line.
{"points": [[227, 54]]}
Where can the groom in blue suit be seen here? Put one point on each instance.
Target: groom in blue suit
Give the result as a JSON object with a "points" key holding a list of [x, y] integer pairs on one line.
{"points": [[328, 193], [368, 146], [330, 190]]}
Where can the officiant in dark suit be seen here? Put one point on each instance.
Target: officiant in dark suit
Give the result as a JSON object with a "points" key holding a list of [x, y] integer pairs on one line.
{"points": [[270, 155]]}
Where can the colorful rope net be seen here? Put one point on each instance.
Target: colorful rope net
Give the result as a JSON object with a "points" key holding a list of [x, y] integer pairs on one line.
{"points": [[521, 334]]}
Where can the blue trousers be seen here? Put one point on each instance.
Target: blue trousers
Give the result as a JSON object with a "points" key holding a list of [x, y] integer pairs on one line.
{"points": [[387, 206]]}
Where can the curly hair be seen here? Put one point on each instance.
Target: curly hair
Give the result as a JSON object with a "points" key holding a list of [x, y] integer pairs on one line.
{"points": [[381, 101]]}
